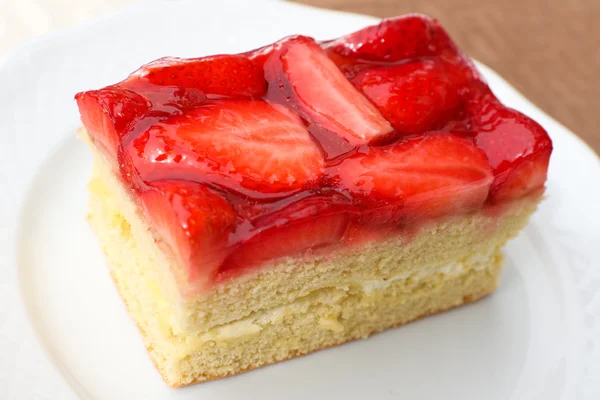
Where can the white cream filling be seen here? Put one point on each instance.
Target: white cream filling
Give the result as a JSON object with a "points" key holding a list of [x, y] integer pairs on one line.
{"points": [[476, 262], [252, 325]]}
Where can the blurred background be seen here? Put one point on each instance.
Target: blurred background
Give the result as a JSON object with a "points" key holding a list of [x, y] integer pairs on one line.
{"points": [[548, 49]]}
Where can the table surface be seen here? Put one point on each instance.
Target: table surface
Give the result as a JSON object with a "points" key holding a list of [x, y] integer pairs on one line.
{"points": [[549, 53]]}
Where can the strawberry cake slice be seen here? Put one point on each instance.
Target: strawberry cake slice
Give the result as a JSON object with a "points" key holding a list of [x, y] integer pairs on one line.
{"points": [[260, 206]]}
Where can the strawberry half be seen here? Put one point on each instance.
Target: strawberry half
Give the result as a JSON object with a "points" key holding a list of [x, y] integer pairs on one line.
{"points": [[235, 75], [432, 175], [260, 146], [415, 96], [393, 40], [108, 114], [306, 225], [518, 150], [302, 77], [194, 222]]}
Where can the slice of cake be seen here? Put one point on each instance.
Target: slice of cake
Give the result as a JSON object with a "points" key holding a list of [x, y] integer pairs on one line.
{"points": [[260, 206]]}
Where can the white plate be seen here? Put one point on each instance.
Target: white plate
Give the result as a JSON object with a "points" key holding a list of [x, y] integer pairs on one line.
{"points": [[538, 337]]}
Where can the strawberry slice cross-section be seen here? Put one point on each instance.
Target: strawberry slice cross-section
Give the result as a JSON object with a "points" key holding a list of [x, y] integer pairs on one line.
{"points": [[307, 225], [302, 77], [194, 223], [251, 143], [431, 175], [108, 114]]}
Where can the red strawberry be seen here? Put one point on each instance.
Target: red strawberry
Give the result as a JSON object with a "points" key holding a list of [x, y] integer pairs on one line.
{"points": [[194, 223], [263, 147], [415, 96], [432, 175], [128, 171], [518, 150], [301, 76], [383, 214], [217, 76], [307, 225], [108, 114], [394, 39]]}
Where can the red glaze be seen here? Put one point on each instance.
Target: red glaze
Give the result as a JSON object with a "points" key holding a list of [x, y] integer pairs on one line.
{"points": [[215, 76], [295, 147], [307, 224], [193, 221], [415, 96], [246, 143], [111, 112], [518, 151], [393, 40], [431, 175], [302, 76]]}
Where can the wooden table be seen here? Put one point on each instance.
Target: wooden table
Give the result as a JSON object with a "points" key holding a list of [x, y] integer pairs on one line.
{"points": [[549, 50]]}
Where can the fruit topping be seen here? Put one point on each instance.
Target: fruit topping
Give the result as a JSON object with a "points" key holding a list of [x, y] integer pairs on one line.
{"points": [[518, 150], [194, 222], [306, 225], [431, 175], [109, 114], [415, 97], [298, 146], [392, 40], [302, 77], [263, 147], [216, 76]]}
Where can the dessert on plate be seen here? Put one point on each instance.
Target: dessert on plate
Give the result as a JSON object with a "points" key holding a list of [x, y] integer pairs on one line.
{"points": [[259, 206]]}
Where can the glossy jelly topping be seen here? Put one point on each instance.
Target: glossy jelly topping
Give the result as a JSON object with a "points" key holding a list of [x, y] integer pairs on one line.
{"points": [[299, 146]]}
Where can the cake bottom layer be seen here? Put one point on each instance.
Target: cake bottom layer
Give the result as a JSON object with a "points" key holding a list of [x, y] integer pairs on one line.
{"points": [[326, 317]]}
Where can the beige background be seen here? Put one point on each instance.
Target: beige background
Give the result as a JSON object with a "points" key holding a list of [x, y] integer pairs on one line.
{"points": [[548, 49]]}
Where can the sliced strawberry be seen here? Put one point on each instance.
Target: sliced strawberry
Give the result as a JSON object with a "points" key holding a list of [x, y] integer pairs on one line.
{"points": [[431, 175], [128, 171], [393, 40], [302, 77], [526, 176], [383, 215], [194, 223], [518, 150], [236, 75], [415, 96], [263, 147], [109, 113], [307, 225]]}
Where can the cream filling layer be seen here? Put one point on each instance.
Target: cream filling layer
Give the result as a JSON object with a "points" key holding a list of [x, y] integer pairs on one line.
{"points": [[476, 262], [240, 330]]}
